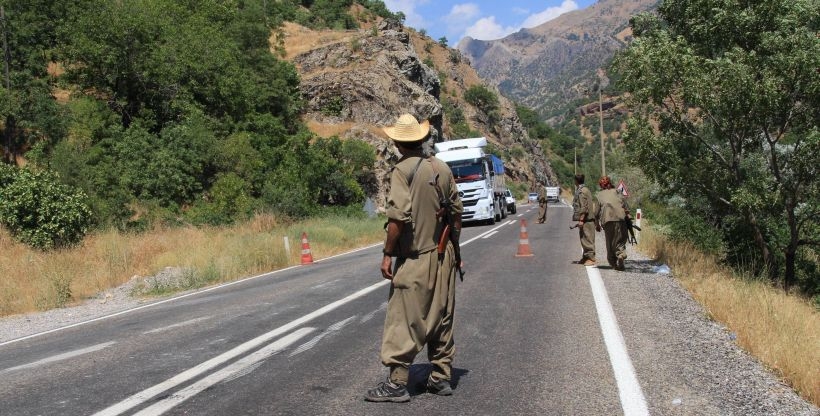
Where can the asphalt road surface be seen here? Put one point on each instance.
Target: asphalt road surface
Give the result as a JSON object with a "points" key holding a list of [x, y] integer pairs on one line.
{"points": [[534, 335]]}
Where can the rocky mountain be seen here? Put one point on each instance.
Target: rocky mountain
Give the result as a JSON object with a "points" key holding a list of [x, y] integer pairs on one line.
{"points": [[356, 81], [553, 64]]}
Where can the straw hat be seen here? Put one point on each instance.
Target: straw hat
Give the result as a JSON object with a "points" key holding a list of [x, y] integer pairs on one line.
{"points": [[408, 129]]}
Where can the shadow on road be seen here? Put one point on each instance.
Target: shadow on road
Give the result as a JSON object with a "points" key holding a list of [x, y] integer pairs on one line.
{"points": [[420, 372]]}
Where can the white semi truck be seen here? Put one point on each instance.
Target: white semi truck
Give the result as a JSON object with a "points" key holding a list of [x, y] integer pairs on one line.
{"points": [[479, 177]]}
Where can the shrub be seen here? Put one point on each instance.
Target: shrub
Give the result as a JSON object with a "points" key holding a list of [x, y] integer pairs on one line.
{"points": [[40, 211], [482, 98]]}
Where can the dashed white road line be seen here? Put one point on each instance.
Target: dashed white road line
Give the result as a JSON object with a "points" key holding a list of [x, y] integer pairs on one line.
{"points": [[177, 325], [147, 394], [60, 357], [490, 234], [328, 332], [249, 361], [633, 401]]}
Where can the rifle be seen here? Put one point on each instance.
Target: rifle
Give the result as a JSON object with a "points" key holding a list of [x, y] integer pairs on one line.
{"points": [[629, 228], [446, 233]]}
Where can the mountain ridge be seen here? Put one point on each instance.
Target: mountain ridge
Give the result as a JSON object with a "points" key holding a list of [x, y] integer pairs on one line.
{"points": [[552, 64]]}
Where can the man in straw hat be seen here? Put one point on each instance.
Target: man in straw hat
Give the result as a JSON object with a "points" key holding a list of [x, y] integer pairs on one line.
{"points": [[422, 206]]}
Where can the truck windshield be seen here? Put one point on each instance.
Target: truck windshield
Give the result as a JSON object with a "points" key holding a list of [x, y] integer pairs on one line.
{"points": [[467, 172]]}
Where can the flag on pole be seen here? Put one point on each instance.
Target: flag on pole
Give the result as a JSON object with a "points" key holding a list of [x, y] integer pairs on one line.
{"points": [[622, 188]]}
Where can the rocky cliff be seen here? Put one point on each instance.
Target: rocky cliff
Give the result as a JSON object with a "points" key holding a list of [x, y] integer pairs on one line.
{"points": [[550, 65], [355, 82]]}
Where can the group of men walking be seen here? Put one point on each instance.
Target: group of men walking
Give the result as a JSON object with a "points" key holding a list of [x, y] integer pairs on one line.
{"points": [[607, 211], [422, 233]]}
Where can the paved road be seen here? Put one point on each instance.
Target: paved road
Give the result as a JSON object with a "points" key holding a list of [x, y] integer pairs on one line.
{"points": [[534, 335]]}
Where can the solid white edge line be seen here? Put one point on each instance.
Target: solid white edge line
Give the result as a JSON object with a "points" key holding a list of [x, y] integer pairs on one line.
{"points": [[629, 389], [60, 357], [205, 290], [186, 393], [147, 394]]}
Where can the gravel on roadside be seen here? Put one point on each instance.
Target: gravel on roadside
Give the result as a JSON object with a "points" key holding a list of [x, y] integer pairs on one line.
{"points": [[118, 299]]}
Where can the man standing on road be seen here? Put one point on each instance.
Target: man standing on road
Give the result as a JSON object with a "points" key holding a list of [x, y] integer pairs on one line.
{"points": [[612, 215], [542, 204], [423, 207], [584, 212]]}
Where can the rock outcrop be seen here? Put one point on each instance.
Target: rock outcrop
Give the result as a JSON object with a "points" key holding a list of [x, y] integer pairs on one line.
{"points": [[355, 82]]}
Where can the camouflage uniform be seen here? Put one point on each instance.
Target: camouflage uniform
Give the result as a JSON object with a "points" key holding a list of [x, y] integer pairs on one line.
{"points": [[611, 215], [422, 295], [583, 210]]}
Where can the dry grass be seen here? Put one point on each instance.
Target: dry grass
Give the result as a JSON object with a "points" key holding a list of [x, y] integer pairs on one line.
{"points": [[32, 280], [781, 330]]}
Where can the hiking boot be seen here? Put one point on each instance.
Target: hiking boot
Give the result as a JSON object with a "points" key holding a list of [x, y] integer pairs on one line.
{"points": [[590, 262], [387, 391], [440, 387], [620, 266]]}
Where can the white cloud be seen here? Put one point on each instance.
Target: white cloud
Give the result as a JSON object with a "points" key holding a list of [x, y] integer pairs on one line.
{"points": [[519, 10], [549, 14], [459, 18], [487, 28], [408, 7]]}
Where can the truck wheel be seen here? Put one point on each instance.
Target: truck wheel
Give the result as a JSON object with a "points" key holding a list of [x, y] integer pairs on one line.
{"points": [[513, 209]]}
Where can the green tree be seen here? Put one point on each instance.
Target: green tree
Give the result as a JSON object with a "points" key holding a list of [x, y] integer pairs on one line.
{"points": [[481, 97], [27, 108], [734, 91], [40, 211]]}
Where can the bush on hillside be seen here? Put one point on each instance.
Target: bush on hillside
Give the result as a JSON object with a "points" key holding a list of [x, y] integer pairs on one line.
{"points": [[40, 211]]}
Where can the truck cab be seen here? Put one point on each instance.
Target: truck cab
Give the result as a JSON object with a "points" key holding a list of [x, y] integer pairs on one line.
{"points": [[479, 177]]}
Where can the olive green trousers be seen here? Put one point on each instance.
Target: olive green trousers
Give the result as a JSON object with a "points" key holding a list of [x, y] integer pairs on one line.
{"points": [[420, 311], [587, 235], [542, 212], [615, 233]]}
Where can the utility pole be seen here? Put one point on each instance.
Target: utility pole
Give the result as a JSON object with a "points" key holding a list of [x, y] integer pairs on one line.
{"points": [[8, 127], [603, 82], [601, 129]]}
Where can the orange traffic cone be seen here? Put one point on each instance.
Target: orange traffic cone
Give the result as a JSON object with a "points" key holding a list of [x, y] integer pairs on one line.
{"points": [[306, 257], [523, 241]]}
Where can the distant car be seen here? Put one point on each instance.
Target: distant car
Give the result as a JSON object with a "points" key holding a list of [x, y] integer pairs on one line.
{"points": [[533, 197], [510, 199]]}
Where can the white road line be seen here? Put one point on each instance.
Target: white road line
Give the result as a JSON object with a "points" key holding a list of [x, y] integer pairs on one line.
{"points": [[188, 322], [370, 315], [248, 362], [321, 285], [147, 394], [490, 234], [629, 389], [60, 357], [328, 332]]}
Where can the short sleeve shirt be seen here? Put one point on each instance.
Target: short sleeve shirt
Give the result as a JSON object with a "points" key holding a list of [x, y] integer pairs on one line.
{"points": [[416, 204]]}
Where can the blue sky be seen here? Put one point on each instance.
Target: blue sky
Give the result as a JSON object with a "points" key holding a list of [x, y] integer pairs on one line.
{"points": [[480, 19]]}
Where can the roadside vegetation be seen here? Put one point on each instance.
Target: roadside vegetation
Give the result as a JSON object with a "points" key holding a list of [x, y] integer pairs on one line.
{"points": [[136, 115], [32, 279], [781, 330]]}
